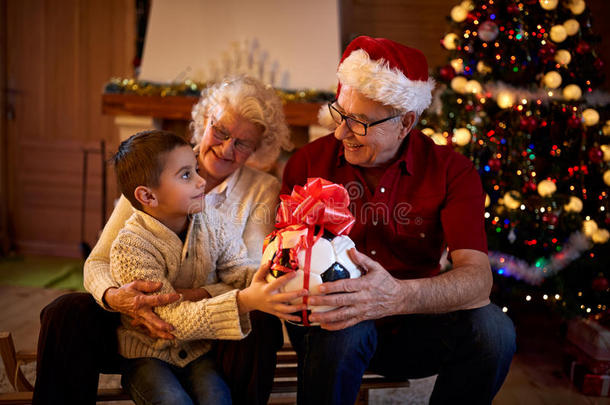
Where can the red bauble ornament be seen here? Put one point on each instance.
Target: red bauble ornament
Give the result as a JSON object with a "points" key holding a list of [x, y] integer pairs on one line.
{"points": [[523, 123], [600, 283], [596, 155], [550, 218], [547, 52], [512, 9], [494, 164], [530, 186], [573, 122], [528, 124], [583, 47], [446, 73]]}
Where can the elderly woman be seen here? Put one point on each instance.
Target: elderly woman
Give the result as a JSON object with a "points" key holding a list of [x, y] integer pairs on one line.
{"points": [[237, 125]]}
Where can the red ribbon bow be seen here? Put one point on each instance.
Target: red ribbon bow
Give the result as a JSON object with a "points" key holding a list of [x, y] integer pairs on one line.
{"points": [[319, 202]]}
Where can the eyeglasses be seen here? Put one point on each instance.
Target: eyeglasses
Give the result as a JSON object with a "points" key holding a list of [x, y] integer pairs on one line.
{"points": [[241, 146], [356, 126]]}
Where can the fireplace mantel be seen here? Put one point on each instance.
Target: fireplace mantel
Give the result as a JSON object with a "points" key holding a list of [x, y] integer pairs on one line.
{"points": [[299, 114]]}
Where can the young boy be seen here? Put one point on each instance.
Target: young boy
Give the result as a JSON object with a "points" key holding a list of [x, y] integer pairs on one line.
{"points": [[173, 238]]}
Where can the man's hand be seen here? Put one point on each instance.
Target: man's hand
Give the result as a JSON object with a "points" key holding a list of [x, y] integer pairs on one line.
{"points": [[132, 300], [266, 297], [372, 296]]}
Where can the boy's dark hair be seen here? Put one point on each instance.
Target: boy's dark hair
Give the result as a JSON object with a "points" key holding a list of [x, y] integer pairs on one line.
{"points": [[140, 160]]}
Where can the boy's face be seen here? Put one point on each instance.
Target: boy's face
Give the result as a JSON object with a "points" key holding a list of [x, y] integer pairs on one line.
{"points": [[181, 189]]}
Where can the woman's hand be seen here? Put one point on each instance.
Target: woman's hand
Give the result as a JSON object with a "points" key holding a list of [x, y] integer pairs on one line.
{"points": [[132, 300], [266, 297]]}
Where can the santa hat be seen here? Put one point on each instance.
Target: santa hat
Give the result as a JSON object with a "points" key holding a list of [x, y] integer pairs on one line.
{"points": [[387, 72]]}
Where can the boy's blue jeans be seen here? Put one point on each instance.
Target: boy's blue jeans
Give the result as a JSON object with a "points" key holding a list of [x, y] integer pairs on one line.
{"points": [[470, 350], [152, 381]]}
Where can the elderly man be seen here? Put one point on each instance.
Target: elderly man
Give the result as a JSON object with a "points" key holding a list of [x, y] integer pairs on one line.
{"points": [[412, 199]]}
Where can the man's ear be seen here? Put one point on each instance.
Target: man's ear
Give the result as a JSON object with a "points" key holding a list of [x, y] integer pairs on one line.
{"points": [[408, 122], [145, 196]]}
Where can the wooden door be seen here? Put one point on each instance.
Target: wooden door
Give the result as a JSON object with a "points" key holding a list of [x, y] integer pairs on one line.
{"points": [[57, 56]]}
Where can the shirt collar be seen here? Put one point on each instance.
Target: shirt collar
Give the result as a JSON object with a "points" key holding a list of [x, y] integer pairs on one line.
{"points": [[227, 184]]}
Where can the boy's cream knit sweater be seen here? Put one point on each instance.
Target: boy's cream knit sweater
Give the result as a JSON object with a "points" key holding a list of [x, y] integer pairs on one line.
{"points": [[213, 255]]}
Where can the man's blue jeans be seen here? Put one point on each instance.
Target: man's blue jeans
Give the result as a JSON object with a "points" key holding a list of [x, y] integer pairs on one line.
{"points": [[470, 350], [152, 381]]}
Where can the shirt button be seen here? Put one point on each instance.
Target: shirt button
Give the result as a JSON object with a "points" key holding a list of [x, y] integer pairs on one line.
{"points": [[373, 252], [422, 235], [382, 189], [182, 354]]}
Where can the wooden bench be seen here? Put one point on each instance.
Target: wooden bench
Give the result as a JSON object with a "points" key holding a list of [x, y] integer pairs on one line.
{"points": [[285, 380]]}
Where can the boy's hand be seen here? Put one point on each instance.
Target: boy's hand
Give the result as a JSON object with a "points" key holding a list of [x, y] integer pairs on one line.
{"points": [[132, 299], [193, 294], [266, 297]]}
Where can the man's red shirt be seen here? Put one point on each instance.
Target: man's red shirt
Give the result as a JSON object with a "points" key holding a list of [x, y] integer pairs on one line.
{"points": [[430, 198]]}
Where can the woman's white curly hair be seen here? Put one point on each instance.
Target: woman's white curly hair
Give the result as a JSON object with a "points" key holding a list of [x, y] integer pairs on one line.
{"points": [[254, 101]]}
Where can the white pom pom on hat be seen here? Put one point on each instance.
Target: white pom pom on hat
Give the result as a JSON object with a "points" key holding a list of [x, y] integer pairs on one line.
{"points": [[386, 71]]}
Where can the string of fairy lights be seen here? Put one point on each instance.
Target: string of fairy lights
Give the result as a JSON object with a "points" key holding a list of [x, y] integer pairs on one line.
{"points": [[518, 96]]}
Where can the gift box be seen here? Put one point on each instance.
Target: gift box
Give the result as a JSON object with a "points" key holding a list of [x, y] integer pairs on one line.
{"points": [[593, 365], [590, 337], [310, 239], [587, 382]]}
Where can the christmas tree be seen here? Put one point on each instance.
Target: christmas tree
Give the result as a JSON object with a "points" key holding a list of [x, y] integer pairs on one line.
{"points": [[518, 97]]}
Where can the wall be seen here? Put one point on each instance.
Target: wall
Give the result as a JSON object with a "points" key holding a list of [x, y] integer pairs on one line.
{"points": [[58, 59]]}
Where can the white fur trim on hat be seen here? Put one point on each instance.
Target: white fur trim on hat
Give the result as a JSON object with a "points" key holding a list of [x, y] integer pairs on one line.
{"points": [[377, 81]]}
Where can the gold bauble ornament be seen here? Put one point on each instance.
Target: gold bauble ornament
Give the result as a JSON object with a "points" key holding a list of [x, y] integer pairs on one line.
{"points": [[487, 200], [572, 92], [558, 33], [572, 26], [457, 65], [438, 138], [467, 4], [577, 6], [474, 87], [600, 236], [512, 200], [548, 4], [461, 136], [505, 99], [458, 84], [563, 57], [606, 128], [606, 150], [574, 205], [546, 188], [483, 68], [449, 42], [552, 79], [589, 227], [458, 13], [590, 117], [427, 131], [606, 177]]}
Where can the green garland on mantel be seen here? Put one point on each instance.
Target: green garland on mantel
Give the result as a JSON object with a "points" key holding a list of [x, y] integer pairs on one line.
{"points": [[189, 88]]}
